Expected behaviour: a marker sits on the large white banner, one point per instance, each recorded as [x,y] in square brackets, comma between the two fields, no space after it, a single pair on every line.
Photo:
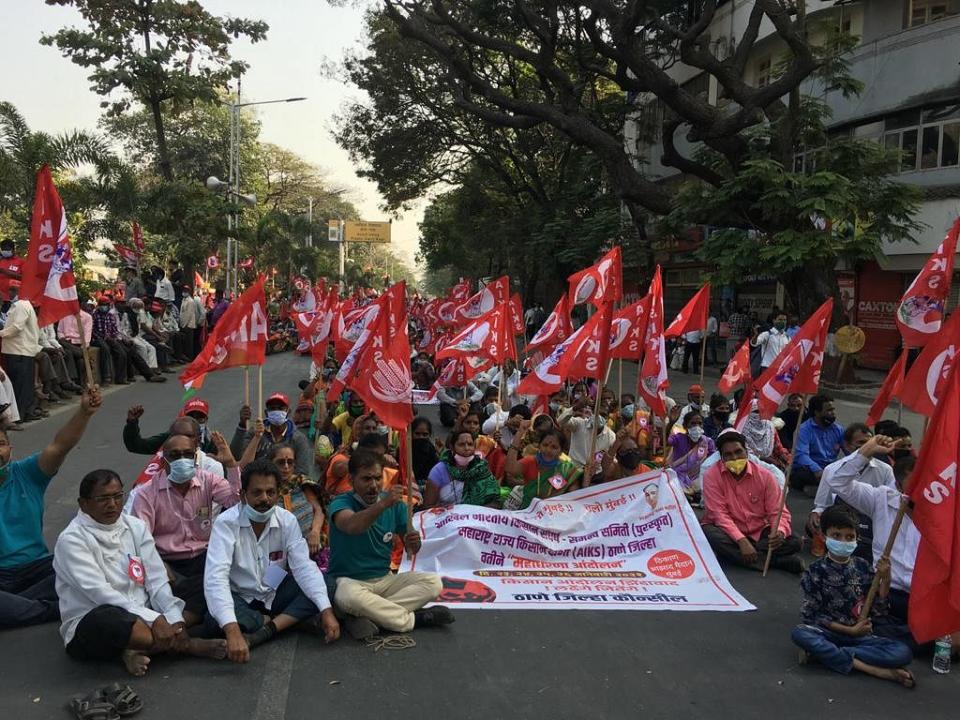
[633,544]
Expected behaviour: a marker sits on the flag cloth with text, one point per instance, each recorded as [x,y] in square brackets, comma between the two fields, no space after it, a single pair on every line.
[935,587]
[48,280]
[928,373]
[238,338]
[737,371]
[599,283]
[920,312]
[652,383]
[797,368]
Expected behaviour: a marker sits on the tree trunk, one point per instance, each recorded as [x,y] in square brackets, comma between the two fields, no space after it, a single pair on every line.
[163,153]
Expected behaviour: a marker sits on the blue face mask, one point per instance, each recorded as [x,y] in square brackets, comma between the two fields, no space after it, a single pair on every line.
[256,516]
[276,417]
[182,470]
[627,412]
[840,548]
[543,462]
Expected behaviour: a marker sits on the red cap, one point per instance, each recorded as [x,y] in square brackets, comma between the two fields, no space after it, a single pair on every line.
[278,396]
[196,405]
[695,389]
[14,283]
[156,305]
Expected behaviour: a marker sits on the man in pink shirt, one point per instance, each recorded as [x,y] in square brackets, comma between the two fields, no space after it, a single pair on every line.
[742,500]
[178,506]
[69,336]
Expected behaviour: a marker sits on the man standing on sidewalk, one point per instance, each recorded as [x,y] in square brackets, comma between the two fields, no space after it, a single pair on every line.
[21,344]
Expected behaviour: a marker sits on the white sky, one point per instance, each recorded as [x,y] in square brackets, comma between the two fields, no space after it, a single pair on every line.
[53,94]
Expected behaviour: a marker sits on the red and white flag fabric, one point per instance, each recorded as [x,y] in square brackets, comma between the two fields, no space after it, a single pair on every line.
[137,234]
[350,324]
[246,263]
[920,312]
[313,328]
[490,336]
[129,256]
[577,356]
[653,380]
[694,315]
[629,329]
[151,469]
[47,279]
[239,337]
[516,314]
[797,368]
[378,367]
[492,294]
[460,292]
[213,262]
[555,329]
[889,390]
[599,283]
[935,587]
[738,370]
[923,385]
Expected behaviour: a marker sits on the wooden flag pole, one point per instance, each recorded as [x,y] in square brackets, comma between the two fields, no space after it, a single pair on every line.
[887,549]
[783,496]
[260,390]
[703,354]
[246,385]
[500,384]
[593,438]
[408,452]
[85,349]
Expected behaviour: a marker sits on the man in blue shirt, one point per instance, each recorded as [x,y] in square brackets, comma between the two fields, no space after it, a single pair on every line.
[363,525]
[27,591]
[818,443]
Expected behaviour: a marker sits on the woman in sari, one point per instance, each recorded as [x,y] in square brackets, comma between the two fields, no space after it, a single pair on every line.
[461,477]
[763,440]
[687,452]
[300,494]
[545,474]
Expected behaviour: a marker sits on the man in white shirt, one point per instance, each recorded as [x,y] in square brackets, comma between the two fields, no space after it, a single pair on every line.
[164,289]
[509,423]
[21,343]
[692,344]
[772,341]
[190,318]
[64,379]
[115,600]
[713,328]
[582,427]
[259,579]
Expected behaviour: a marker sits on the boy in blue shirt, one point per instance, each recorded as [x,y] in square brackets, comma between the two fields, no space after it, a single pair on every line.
[834,589]
[363,524]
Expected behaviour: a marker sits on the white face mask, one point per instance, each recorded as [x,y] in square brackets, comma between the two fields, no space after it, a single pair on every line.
[695,433]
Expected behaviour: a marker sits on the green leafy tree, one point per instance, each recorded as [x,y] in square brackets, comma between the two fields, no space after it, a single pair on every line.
[163,54]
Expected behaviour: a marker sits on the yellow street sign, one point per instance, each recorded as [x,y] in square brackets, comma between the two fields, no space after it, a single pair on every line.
[363,231]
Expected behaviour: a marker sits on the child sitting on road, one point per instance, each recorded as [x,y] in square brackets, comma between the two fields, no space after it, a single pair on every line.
[834,590]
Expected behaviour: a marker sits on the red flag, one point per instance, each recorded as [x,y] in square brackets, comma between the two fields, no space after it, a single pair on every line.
[738,370]
[693,316]
[489,336]
[378,367]
[935,587]
[797,367]
[548,376]
[516,314]
[460,292]
[653,381]
[923,385]
[129,256]
[599,283]
[890,389]
[137,237]
[920,313]
[350,324]
[239,337]
[628,330]
[48,280]
[151,469]
[198,281]
[588,358]
[247,262]
[494,293]
[557,327]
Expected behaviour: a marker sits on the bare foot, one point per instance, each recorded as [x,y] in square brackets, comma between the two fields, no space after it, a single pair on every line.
[135,662]
[213,649]
[901,676]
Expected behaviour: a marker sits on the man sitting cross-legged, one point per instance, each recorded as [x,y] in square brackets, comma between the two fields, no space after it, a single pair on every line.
[115,599]
[259,579]
[363,524]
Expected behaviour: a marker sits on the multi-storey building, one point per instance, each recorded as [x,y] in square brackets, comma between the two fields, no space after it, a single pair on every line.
[908,59]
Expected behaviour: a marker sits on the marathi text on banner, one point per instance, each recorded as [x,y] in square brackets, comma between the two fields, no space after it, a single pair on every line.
[633,544]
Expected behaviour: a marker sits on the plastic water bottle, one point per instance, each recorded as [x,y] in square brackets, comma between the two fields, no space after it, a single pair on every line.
[941,655]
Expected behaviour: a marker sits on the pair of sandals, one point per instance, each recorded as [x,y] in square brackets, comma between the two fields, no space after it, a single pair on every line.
[107,703]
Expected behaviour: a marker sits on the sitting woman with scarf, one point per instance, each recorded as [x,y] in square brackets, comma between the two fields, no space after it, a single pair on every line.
[488,447]
[687,452]
[763,440]
[461,477]
[545,474]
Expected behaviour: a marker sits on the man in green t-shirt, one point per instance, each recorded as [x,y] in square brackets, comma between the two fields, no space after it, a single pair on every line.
[363,524]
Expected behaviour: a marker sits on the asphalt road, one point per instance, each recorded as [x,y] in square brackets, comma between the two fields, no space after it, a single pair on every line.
[506,664]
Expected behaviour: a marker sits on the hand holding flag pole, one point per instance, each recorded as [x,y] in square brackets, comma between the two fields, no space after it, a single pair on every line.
[783,497]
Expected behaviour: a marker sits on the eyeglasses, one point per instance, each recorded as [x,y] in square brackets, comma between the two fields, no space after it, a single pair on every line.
[108,499]
[285,461]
